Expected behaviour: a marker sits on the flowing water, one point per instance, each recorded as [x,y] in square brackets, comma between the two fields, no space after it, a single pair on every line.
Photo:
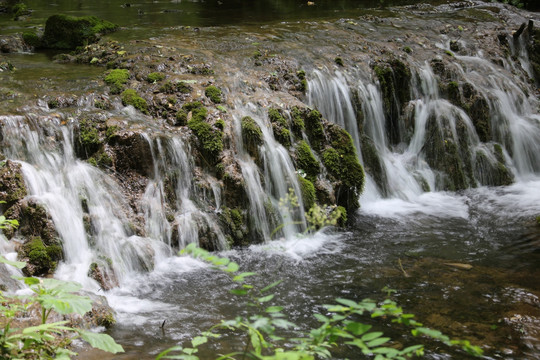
[407,232]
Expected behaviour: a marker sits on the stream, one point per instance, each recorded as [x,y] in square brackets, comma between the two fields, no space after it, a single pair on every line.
[466,262]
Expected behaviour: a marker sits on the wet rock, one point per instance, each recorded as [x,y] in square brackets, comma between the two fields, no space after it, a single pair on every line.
[251,137]
[13,44]
[12,187]
[534,53]
[132,153]
[372,163]
[103,274]
[68,32]
[394,79]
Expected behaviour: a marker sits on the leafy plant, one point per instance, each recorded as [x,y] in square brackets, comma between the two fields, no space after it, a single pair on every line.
[46,340]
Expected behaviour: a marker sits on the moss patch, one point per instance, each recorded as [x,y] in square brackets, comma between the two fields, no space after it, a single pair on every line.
[308,192]
[307,161]
[210,138]
[116,79]
[42,259]
[213,93]
[130,97]
[251,136]
[155,77]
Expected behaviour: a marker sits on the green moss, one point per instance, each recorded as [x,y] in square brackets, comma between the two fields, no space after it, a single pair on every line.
[30,38]
[298,124]
[235,226]
[101,159]
[332,162]
[183,87]
[275,116]
[181,117]
[339,61]
[372,162]
[19,9]
[342,221]
[453,92]
[251,136]
[211,139]
[407,49]
[282,135]
[116,79]
[308,192]
[302,83]
[53,104]
[220,124]
[167,87]
[213,93]
[155,77]
[69,32]
[40,257]
[192,105]
[314,129]
[130,97]
[307,161]
[88,138]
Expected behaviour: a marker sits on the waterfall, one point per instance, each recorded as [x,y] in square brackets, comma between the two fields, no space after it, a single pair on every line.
[278,173]
[417,164]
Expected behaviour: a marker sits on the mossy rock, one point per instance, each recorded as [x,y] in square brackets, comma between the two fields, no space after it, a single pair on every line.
[280,127]
[181,117]
[394,79]
[534,54]
[210,138]
[252,136]
[491,172]
[42,260]
[68,32]
[31,39]
[373,163]
[155,77]
[307,161]
[88,140]
[130,97]
[478,110]
[297,124]
[308,192]
[116,79]
[235,225]
[12,186]
[213,93]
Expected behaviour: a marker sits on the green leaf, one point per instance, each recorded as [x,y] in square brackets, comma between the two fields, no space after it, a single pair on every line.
[357,328]
[101,341]
[232,267]
[282,323]
[378,342]
[199,340]
[17,264]
[238,291]
[389,352]
[321,318]
[273,309]
[66,303]
[347,302]
[30,280]
[266,288]
[54,327]
[164,353]
[412,349]
[242,276]
[371,336]
[265,298]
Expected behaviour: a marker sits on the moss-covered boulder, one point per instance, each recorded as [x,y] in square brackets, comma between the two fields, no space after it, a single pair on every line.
[306,161]
[490,169]
[68,32]
[394,79]
[235,226]
[280,127]
[252,136]
[342,163]
[308,192]
[41,259]
[210,138]
[87,138]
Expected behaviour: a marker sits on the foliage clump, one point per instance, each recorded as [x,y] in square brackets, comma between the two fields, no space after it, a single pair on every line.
[116,79]
[213,93]
[130,97]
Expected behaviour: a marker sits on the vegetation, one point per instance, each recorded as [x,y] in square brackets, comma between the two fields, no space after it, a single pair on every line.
[308,192]
[46,340]
[251,135]
[155,77]
[116,79]
[210,138]
[307,161]
[130,97]
[213,93]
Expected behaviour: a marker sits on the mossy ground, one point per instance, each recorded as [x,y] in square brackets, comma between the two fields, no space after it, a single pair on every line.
[130,97]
